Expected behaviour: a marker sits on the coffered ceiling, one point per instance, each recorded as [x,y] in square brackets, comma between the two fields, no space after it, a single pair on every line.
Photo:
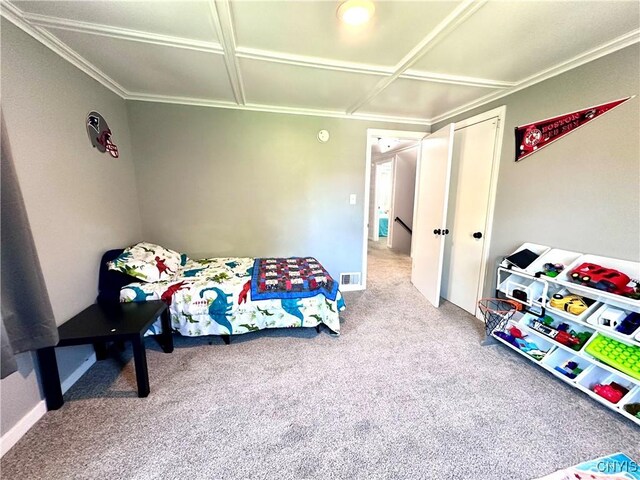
[415,62]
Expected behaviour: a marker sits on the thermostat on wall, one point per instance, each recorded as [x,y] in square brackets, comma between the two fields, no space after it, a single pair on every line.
[323,136]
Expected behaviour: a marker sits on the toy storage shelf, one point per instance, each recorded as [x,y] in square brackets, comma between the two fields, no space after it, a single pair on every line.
[534,290]
[540,290]
[521,323]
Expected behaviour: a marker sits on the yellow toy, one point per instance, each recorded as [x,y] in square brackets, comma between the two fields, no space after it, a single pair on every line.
[573,304]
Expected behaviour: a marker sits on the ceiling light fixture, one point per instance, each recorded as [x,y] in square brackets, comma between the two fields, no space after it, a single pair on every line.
[356,12]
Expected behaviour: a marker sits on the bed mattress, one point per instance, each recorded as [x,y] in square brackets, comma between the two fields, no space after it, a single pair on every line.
[209,297]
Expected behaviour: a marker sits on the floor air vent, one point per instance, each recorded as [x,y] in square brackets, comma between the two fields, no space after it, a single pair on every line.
[350,281]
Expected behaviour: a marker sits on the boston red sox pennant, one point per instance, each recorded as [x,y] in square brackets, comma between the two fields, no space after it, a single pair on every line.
[532,137]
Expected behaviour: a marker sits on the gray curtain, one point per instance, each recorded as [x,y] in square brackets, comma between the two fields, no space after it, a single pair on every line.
[26,313]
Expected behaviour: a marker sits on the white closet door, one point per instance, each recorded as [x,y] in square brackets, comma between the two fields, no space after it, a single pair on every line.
[433,177]
[468,206]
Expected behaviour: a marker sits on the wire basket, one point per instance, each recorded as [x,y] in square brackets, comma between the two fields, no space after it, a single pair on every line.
[496,312]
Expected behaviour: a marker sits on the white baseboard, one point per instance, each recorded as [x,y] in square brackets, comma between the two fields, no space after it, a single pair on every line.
[16,432]
[351,288]
[68,382]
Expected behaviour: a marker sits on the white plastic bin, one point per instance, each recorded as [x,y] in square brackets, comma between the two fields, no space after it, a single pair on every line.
[606,318]
[543,345]
[599,376]
[631,269]
[534,289]
[560,358]
[535,248]
[632,398]
[559,290]
[555,255]
[578,328]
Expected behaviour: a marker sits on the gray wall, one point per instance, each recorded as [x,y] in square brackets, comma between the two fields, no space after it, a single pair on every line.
[79,202]
[230,182]
[404,195]
[581,193]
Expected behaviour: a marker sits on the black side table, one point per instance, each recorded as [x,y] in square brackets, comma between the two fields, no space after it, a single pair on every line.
[99,324]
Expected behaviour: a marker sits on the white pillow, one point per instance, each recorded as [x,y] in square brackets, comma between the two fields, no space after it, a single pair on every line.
[147,262]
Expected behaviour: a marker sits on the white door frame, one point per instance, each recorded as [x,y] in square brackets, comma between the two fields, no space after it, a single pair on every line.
[392,201]
[372,137]
[500,114]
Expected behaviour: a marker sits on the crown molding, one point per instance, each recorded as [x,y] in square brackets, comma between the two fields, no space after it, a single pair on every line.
[121,33]
[312,62]
[454,79]
[338,114]
[607,48]
[143,97]
[15,16]
[363,68]
[177,100]
[223,23]
[458,16]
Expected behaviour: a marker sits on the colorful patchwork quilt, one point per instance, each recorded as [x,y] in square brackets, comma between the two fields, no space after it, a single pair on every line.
[280,278]
[211,297]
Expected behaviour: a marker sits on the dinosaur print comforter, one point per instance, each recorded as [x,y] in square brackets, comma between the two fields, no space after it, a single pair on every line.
[211,297]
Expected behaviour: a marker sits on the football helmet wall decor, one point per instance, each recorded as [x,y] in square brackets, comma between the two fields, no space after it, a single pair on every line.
[100,134]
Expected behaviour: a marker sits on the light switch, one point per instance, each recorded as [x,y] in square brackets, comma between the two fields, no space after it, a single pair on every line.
[352,199]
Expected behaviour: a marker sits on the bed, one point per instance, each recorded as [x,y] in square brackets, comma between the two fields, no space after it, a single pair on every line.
[219,296]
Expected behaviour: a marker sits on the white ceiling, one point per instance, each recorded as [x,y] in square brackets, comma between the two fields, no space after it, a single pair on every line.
[377,154]
[416,62]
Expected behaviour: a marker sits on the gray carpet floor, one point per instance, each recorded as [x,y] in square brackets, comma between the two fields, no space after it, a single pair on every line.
[406,391]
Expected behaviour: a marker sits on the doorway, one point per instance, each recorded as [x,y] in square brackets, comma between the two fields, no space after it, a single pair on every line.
[456,196]
[450,244]
[389,193]
[383,191]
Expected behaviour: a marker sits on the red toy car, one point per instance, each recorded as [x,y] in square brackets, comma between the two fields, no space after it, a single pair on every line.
[602,278]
